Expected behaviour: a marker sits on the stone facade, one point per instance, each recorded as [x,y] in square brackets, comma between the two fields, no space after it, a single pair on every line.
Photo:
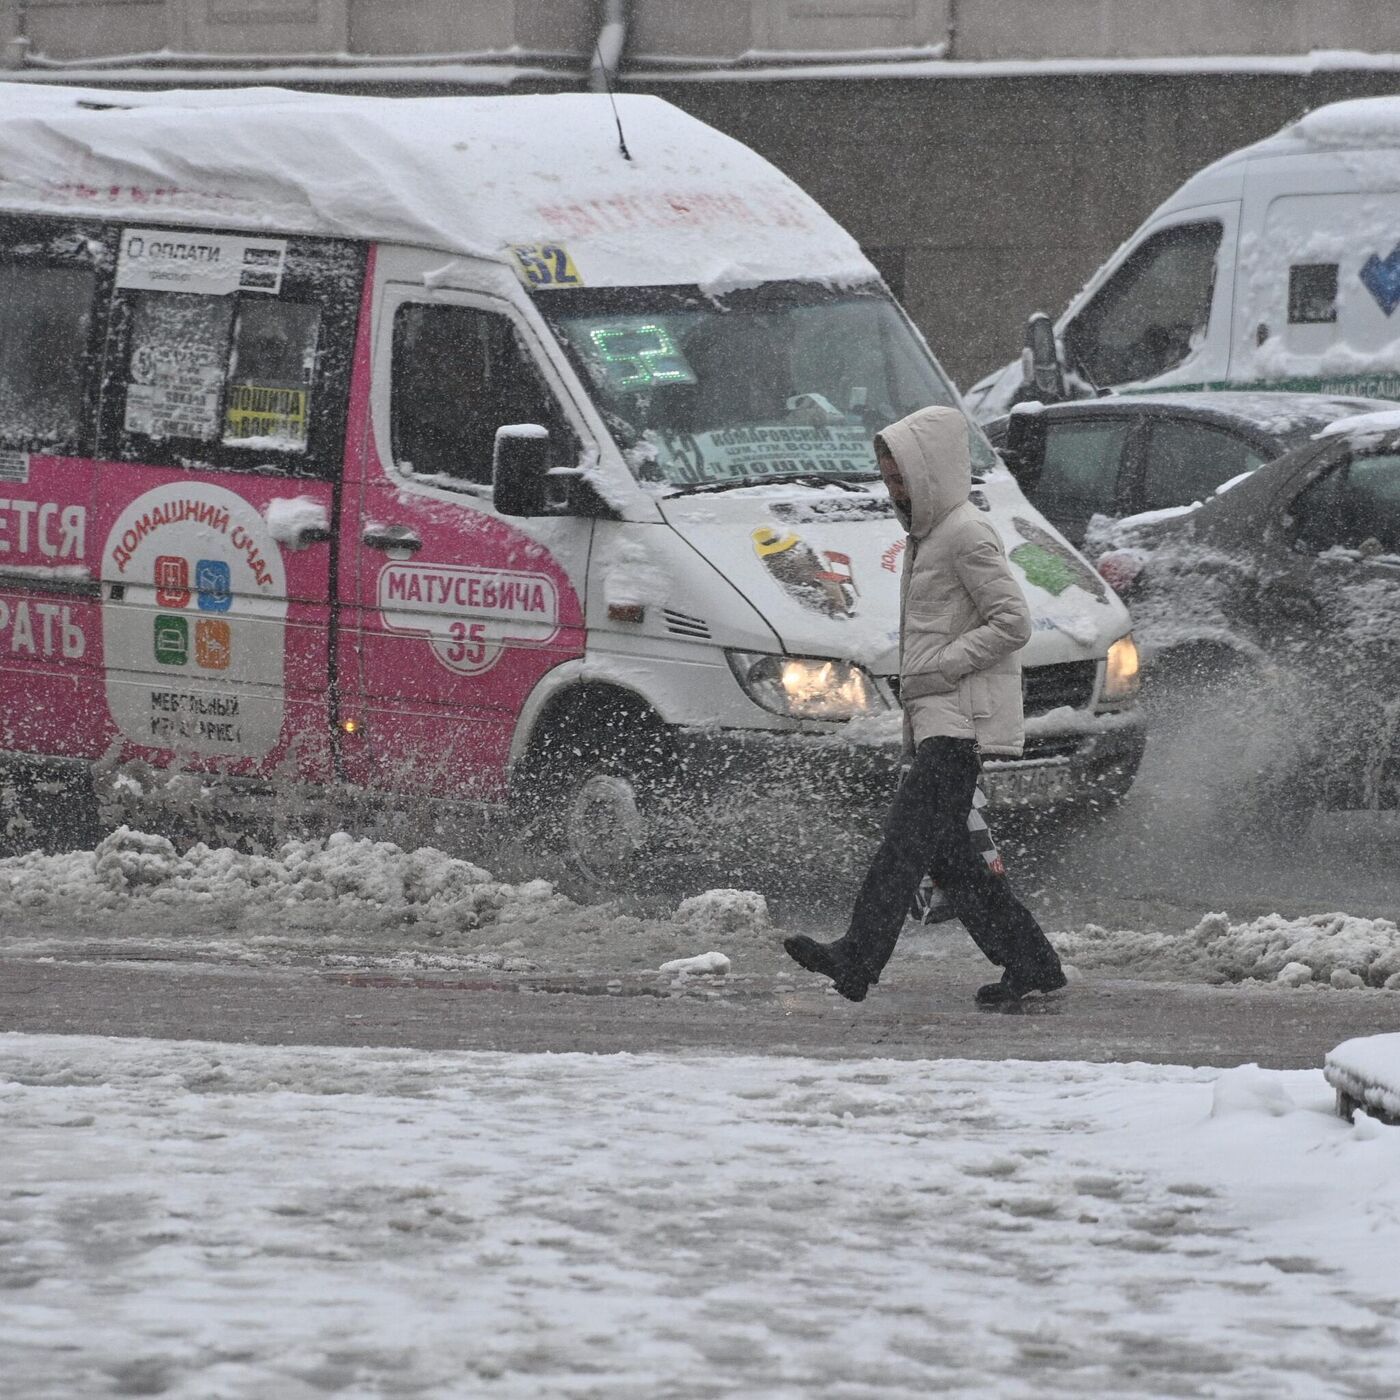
[712,30]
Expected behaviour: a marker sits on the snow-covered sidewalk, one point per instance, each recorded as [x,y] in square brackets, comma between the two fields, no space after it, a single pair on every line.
[201,1221]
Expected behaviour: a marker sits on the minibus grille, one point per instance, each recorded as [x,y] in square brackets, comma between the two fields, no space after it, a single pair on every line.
[683,625]
[1046,688]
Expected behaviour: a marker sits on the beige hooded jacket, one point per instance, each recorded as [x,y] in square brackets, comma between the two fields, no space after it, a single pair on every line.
[963,618]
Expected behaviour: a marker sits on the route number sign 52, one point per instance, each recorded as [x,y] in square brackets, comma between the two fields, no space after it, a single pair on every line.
[545,265]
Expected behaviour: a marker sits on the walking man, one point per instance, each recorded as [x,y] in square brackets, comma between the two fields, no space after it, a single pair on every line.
[963,621]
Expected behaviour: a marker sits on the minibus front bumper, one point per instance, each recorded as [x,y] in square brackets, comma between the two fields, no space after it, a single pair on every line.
[1090,761]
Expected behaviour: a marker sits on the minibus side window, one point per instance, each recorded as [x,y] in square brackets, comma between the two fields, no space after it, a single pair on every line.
[1150,314]
[46,316]
[247,380]
[221,369]
[459,373]
[271,374]
[175,372]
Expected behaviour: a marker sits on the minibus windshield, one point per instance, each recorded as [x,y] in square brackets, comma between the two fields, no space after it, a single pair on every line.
[788,381]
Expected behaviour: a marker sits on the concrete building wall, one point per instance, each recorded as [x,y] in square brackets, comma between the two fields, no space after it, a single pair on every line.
[430,26]
[78,28]
[549,27]
[995,29]
[714,29]
[258,26]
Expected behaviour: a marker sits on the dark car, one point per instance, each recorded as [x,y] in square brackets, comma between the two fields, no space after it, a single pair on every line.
[1288,585]
[1131,453]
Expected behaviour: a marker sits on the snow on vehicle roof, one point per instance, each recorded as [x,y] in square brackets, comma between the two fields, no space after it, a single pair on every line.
[471,176]
[1359,123]
[1273,411]
[1363,121]
[1387,421]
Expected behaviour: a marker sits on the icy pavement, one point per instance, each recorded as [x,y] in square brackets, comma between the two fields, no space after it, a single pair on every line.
[200,1221]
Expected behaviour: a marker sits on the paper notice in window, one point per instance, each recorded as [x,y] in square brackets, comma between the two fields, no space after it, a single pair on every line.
[174,392]
[216,264]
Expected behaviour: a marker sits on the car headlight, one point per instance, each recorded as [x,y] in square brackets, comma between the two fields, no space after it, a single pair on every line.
[1122,676]
[806,687]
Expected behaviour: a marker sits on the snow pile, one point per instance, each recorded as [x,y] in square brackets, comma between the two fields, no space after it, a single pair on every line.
[634,578]
[724,911]
[339,874]
[348,900]
[1384,421]
[1341,950]
[705,964]
[1249,1089]
[1367,1071]
[199,1220]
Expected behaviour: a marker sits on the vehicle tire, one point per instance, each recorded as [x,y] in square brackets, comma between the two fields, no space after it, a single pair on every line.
[594,798]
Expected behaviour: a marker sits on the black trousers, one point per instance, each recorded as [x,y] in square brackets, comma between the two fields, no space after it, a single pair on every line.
[926,831]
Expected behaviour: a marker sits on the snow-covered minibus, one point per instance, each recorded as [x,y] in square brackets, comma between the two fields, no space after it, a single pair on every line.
[1276,267]
[444,449]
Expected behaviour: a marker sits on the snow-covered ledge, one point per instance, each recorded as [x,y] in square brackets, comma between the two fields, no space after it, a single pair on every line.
[1365,1072]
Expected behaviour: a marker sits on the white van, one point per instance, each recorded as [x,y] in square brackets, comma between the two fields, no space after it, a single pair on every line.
[1277,267]
[444,449]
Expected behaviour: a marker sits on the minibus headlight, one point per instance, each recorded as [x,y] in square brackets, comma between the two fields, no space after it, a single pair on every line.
[806,687]
[1122,674]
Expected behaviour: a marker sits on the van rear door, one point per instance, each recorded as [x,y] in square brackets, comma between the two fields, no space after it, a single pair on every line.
[228,365]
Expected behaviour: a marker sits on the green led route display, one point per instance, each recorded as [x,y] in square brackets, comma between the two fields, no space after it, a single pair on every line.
[634,353]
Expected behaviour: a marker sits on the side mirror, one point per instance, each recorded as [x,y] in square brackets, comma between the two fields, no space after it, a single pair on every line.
[1025,444]
[1042,368]
[520,470]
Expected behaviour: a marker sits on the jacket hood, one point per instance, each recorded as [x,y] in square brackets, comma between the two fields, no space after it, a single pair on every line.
[935,460]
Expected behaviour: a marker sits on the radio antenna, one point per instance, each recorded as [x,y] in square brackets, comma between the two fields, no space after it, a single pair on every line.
[608,88]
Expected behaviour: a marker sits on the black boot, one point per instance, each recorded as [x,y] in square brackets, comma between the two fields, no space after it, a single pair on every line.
[847,972]
[1017,983]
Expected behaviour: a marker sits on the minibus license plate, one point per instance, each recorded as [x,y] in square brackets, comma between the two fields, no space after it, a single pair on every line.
[1034,785]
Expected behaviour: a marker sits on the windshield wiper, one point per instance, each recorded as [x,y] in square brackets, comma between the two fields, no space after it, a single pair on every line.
[851,483]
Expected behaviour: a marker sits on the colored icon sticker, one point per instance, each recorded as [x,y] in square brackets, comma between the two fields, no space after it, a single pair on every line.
[1381,277]
[172,640]
[213,580]
[172,581]
[213,643]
